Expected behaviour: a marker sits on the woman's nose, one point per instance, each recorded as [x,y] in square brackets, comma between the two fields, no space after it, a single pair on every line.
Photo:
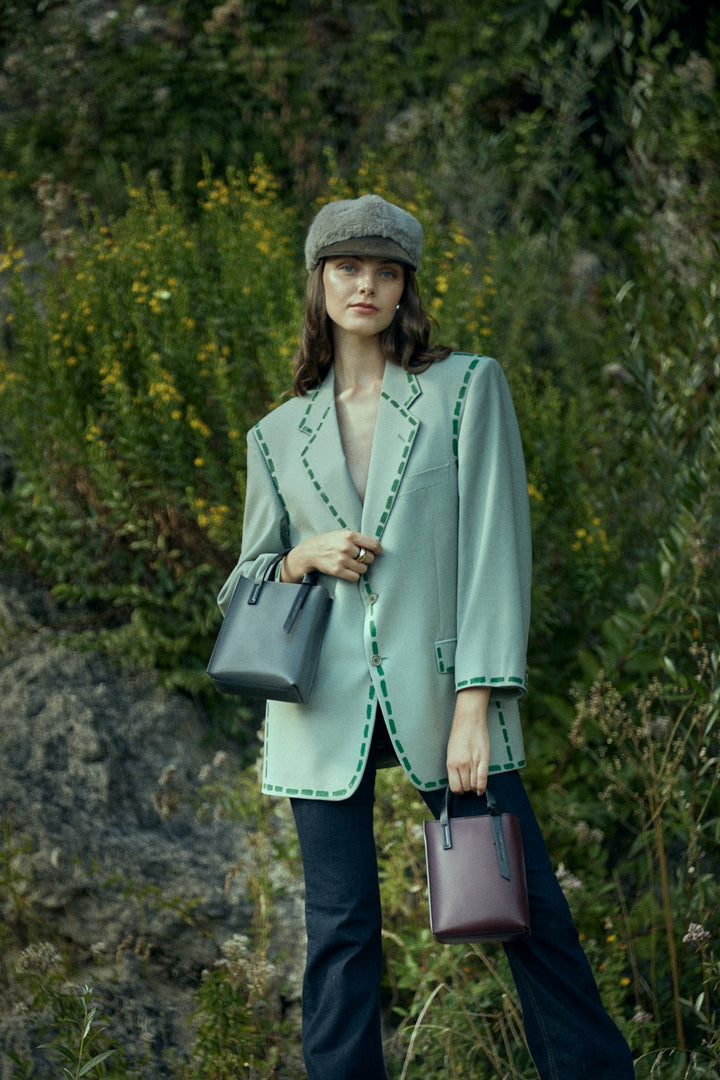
[366,284]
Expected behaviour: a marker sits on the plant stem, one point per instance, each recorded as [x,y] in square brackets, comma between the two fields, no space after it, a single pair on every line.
[669,929]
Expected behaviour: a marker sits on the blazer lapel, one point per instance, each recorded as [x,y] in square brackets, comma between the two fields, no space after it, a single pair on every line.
[395,433]
[323,457]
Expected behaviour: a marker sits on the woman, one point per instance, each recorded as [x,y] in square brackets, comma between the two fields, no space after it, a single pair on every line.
[396,473]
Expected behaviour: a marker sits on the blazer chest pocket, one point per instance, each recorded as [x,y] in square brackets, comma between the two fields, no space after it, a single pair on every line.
[418,481]
[445,655]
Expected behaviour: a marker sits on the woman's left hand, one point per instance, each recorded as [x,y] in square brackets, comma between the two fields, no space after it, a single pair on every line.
[468,752]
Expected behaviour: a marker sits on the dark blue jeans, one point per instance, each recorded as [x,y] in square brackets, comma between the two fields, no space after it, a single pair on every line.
[570,1035]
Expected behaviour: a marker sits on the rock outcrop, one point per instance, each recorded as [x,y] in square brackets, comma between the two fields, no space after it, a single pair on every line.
[116,848]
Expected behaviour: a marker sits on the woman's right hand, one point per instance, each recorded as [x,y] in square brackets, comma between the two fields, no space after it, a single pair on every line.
[335,553]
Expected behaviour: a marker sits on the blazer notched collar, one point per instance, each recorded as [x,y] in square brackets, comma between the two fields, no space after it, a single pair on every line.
[323,457]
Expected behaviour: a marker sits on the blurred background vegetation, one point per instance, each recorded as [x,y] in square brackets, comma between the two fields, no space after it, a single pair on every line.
[159,164]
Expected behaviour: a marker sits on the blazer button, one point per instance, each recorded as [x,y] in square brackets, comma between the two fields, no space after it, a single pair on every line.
[376,660]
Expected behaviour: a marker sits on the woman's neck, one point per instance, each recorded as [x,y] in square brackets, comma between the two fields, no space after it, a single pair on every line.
[358,363]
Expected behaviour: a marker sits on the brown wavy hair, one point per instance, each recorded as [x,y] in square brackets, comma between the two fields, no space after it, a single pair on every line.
[406,341]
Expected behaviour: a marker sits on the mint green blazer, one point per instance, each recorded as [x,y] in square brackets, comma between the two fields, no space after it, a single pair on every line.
[447,603]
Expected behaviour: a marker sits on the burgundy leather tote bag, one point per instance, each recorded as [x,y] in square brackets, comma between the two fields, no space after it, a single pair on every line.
[476,876]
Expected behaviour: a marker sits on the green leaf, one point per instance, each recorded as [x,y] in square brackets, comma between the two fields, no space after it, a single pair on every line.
[68,1054]
[90,1065]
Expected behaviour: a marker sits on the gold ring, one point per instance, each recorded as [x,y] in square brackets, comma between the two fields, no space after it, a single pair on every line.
[360,557]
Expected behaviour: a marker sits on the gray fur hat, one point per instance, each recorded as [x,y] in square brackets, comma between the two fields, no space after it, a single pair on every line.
[365,226]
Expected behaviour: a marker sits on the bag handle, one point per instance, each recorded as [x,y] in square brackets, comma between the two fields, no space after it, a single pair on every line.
[307,581]
[498,835]
[301,596]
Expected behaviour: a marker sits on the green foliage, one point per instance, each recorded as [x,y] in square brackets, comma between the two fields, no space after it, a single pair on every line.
[657,762]
[86,1033]
[157,344]
[65,1015]
[563,159]
[239,1017]
[241,1014]
[528,113]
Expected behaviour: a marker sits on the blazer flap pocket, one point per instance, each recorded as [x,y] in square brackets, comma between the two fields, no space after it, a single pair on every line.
[445,655]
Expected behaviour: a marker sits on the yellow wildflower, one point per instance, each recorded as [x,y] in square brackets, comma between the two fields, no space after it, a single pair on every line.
[197,425]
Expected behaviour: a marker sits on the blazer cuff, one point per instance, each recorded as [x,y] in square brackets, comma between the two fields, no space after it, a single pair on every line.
[507,685]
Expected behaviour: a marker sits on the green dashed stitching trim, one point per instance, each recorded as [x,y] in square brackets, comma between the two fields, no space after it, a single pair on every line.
[414,386]
[364,747]
[369,710]
[470,682]
[310,793]
[325,498]
[504,730]
[270,464]
[310,404]
[457,411]
[496,680]
[443,668]
[510,764]
[403,461]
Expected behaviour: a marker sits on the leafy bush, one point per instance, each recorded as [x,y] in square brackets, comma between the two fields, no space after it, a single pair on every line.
[151,348]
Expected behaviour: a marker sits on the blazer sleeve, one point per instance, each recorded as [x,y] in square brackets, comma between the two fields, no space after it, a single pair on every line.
[494,544]
[265,522]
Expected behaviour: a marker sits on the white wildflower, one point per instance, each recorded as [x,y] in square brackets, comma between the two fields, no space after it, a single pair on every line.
[568,881]
[696,935]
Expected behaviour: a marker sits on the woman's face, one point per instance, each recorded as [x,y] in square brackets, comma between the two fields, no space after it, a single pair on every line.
[362,294]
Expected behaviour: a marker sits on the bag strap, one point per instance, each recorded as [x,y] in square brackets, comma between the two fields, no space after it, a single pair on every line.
[307,581]
[498,835]
[301,596]
[270,569]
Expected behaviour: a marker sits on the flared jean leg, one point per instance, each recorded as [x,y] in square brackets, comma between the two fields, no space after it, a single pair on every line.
[342,1037]
[570,1035]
